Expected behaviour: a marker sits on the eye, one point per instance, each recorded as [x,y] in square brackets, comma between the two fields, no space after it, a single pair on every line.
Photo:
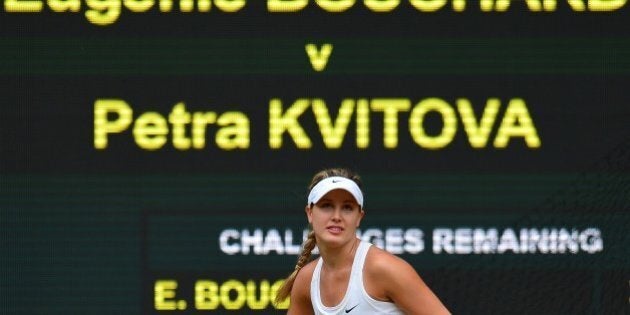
[347,207]
[326,205]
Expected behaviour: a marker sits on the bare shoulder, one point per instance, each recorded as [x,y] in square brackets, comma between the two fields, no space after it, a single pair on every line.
[388,277]
[382,263]
[305,275]
[301,291]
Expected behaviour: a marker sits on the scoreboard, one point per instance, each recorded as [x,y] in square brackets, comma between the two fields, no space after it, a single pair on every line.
[155,155]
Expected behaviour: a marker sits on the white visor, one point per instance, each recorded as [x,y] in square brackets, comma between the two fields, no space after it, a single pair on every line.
[332,183]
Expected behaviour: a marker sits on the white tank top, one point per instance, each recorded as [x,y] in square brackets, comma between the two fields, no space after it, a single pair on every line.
[356,301]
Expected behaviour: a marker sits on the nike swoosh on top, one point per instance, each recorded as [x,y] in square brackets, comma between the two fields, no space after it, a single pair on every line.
[350,309]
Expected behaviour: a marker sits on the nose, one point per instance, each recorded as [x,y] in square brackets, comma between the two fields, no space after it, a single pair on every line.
[336,215]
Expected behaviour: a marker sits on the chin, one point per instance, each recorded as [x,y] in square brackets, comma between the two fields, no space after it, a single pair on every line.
[333,240]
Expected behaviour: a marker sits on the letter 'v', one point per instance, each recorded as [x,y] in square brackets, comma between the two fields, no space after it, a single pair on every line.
[319,57]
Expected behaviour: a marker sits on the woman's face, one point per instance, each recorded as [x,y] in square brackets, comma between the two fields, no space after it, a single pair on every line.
[335,218]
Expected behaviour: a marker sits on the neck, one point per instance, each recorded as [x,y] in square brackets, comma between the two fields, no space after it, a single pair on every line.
[339,257]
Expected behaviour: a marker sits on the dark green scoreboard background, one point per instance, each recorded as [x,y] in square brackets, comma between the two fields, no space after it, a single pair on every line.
[512,229]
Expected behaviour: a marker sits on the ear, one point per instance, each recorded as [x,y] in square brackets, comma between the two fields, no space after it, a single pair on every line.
[361,215]
[309,214]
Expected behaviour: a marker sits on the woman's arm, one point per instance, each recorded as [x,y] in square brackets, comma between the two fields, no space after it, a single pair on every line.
[392,278]
[301,292]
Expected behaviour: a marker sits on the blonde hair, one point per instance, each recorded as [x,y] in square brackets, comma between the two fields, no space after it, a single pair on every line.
[307,247]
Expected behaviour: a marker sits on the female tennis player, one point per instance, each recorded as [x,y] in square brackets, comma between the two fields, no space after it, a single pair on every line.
[351,276]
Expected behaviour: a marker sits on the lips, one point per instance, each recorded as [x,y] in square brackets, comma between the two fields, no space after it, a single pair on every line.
[334,229]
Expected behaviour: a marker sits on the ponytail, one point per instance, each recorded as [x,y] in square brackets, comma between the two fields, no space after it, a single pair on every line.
[285,290]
